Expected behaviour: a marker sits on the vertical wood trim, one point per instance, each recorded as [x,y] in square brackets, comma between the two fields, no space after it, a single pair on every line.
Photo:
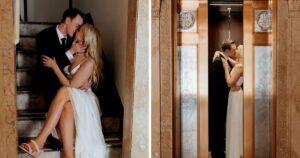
[202,79]
[8,109]
[166,41]
[177,109]
[155,82]
[129,80]
[274,73]
[248,80]
[282,100]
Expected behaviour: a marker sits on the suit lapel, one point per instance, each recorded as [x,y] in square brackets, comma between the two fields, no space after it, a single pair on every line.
[55,39]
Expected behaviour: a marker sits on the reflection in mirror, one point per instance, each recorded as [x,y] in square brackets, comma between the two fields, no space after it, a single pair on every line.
[225,79]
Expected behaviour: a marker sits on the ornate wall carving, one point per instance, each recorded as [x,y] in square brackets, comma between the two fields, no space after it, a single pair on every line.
[294,5]
[263,20]
[187,21]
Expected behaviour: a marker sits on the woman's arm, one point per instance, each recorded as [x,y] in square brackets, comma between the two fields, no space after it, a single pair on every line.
[82,76]
[232,62]
[217,54]
[235,75]
[79,80]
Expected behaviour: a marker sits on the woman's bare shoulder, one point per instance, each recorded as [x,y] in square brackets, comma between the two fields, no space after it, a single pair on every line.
[89,62]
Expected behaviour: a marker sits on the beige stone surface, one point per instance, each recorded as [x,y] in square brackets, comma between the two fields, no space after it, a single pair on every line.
[8,130]
[155,81]
[140,120]
[288,84]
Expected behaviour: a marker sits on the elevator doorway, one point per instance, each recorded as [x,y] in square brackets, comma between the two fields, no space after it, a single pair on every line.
[201,28]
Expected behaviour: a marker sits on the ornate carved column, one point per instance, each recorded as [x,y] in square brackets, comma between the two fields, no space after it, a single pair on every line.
[8,130]
[162,78]
[166,36]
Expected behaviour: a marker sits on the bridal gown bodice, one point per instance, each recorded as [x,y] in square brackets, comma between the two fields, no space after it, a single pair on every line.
[239,81]
[234,122]
[89,139]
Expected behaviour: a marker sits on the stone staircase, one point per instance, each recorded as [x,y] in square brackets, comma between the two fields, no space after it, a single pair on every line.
[30,104]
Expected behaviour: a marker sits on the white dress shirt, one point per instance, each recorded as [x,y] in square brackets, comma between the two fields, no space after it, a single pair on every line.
[60,36]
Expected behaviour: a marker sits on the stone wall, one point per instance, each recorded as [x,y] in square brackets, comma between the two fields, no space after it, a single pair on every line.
[8,130]
[288,83]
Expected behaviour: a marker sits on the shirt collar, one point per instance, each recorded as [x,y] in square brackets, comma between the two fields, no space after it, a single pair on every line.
[60,35]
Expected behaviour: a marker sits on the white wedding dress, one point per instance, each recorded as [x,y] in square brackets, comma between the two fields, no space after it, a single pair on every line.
[89,139]
[234,123]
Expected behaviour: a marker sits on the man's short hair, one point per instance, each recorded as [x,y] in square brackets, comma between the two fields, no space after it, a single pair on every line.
[227,45]
[72,13]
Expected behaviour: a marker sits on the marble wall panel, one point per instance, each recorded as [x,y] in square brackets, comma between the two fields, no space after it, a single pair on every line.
[188,100]
[263,100]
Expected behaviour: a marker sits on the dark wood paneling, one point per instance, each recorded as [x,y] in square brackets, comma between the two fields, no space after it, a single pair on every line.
[129,80]
[218,29]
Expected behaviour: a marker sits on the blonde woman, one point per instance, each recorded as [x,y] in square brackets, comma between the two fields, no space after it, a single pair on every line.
[234,119]
[77,101]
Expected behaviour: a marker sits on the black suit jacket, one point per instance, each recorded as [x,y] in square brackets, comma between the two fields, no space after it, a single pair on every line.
[218,100]
[218,88]
[48,43]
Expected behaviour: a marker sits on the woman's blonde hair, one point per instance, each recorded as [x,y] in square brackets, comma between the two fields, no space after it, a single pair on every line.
[92,40]
[241,52]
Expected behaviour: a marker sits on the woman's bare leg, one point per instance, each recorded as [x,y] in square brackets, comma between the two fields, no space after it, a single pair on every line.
[53,116]
[66,128]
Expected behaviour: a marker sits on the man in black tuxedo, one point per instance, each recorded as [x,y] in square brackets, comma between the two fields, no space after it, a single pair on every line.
[56,42]
[218,99]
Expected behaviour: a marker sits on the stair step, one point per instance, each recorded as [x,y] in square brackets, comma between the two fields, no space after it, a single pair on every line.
[29,128]
[30,122]
[24,77]
[46,154]
[26,59]
[32,29]
[110,124]
[113,152]
[27,44]
[31,114]
[25,90]
[29,100]
[110,141]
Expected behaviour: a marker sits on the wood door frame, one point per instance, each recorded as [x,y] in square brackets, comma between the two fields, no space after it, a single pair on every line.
[8,108]
[249,147]
[129,79]
[248,80]
[201,8]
